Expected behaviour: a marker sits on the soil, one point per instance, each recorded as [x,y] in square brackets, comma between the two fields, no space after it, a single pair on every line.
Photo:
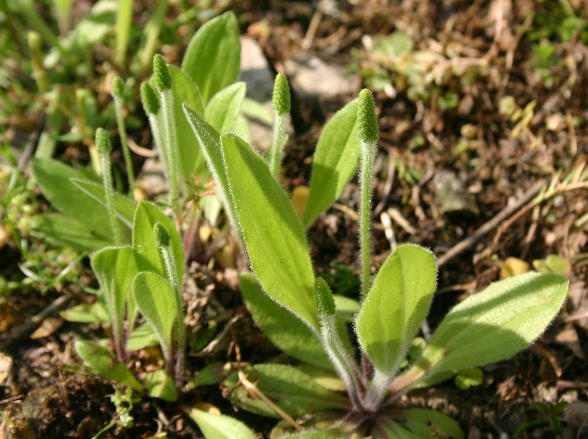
[489,159]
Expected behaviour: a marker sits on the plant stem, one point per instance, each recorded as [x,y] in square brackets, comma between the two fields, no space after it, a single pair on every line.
[104,148]
[281,106]
[118,109]
[279,139]
[365,184]
[367,123]
[345,366]
[167,100]
[180,333]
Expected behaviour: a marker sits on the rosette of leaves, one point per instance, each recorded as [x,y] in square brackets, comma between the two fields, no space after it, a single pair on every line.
[349,388]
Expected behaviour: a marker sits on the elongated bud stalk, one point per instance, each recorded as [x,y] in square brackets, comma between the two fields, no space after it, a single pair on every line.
[104,148]
[118,89]
[163,83]
[346,367]
[162,239]
[281,106]
[367,124]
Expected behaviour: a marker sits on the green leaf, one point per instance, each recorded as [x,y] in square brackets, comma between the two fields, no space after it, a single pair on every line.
[273,234]
[347,308]
[87,313]
[282,327]
[290,389]
[224,107]
[101,360]
[496,323]
[156,301]
[142,337]
[189,156]
[115,268]
[220,426]
[146,215]
[430,423]
[332,434]
[396,305]
[210,145]
[160,385]
[68,231]
[213,56]
[125,208]
[468,378]
[335,162]
[54,179]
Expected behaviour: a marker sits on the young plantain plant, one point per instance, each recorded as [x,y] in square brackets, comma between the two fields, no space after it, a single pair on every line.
[138,253]
[300,314]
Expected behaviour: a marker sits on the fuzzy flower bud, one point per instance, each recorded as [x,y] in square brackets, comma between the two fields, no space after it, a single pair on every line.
[103,144]
[325,303]
[366,117]
[281,95]
[118,87]
[149,99]
[161,76]
[161,235]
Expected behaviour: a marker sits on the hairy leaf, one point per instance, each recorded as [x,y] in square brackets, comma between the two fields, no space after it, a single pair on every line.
[156,301]
[335,162]
[115,268]
[224,107]
[396,305]
[290,389]
[146,215]
[496,323]
[101,360]
[220,426]
[282,327]
[213,56]
[272,232]
[189,156]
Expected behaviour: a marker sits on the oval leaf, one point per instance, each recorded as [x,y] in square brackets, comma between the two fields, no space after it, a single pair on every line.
[220,426]
[396,305]
[115,268]
[224,107]
[213,56]
[496,323]
[101,360]
[209,140]
[282,327]
[290,389]
[146,215]
[189,156]
[156,301]
[272,232]
[335,161]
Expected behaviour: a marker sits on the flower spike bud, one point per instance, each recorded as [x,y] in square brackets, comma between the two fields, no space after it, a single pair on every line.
[281,95]
[366,117]
[324,298]
[149,99]
[161,75]
[118,87]
[161,235]
[103,142]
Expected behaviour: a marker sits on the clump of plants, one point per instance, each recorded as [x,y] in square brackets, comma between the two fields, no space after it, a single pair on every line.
[299,313]
[346,386]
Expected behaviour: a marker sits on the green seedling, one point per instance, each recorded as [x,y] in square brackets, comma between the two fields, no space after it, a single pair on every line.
[301,316]
[144,277]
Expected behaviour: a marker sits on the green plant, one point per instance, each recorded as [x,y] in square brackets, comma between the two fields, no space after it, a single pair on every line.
[551,416]
[299,313]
